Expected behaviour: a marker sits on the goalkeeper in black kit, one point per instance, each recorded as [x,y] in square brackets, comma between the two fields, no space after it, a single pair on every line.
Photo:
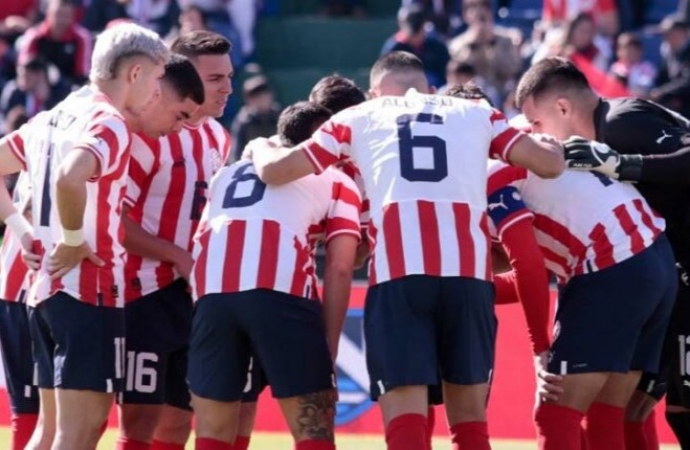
[644,143]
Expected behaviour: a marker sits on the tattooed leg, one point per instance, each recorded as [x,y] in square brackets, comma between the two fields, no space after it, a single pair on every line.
[311,416]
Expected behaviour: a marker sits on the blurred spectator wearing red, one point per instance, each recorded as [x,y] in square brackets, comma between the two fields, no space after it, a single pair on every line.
[580,40]
[412,37]
[16,16]
[60,40]
[605,12]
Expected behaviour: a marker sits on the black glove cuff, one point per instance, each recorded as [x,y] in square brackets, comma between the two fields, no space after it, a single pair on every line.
[630,168]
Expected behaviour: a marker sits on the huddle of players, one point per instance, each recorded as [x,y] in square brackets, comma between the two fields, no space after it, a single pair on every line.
[419,165]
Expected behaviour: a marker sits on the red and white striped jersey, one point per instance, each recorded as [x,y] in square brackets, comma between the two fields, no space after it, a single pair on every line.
[423,162]
[85,120]
[13,271]
[583,221]
[255,236]
[167,188]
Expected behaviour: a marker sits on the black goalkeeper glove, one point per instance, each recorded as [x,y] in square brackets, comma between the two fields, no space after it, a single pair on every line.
[583,154]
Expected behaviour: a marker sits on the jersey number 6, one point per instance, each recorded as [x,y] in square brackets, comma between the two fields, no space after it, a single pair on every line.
[408,143]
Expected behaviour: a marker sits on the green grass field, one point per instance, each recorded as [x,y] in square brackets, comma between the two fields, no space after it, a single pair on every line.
[281,441]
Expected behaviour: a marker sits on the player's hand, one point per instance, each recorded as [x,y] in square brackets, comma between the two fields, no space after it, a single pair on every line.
[548,384]
[184,263]
[363,252]
[583,154]
[63,258]
[31,253]
[257,144]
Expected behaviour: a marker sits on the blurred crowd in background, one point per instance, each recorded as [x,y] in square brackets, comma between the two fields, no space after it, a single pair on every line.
[626,47]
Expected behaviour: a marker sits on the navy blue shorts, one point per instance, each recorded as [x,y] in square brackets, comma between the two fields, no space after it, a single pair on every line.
[615,320]
[285,332]
[421,329]
[157,328]
[256,381]
[15,341]
[77,345]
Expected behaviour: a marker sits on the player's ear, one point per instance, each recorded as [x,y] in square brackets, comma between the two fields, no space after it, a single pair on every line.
[563,106]
[134,72]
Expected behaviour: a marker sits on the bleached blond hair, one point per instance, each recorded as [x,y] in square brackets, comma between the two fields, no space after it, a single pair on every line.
[121,42]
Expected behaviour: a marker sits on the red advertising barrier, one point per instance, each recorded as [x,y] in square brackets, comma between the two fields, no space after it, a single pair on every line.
[512,394]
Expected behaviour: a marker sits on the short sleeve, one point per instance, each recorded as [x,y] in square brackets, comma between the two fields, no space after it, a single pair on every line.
[349,169]
[108,140]
[330,143]
[506,208]
[16,141]
[503,136]
[344,209]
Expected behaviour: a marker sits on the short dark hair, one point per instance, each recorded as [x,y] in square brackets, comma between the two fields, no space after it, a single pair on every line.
[554,74]
[412,17]
[398,61]
[461,68]
[298,122]
[468,91]
[181,75]
[199,43]
[336,93]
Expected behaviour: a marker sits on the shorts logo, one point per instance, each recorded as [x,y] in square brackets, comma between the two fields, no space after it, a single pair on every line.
[351,371]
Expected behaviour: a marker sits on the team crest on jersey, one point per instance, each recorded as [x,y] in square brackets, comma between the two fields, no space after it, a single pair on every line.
[351,371]
[216,160]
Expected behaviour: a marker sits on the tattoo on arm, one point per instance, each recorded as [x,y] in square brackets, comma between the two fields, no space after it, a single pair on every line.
[317,415]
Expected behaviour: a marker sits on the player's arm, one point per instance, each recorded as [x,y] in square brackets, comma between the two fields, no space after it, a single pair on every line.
[328,145]
[337,281]
[637,146]
[530,279]
[12,161]
[543,155]
[140,242]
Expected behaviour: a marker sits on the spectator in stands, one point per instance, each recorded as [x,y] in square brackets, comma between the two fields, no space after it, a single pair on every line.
[31,90]
[16,16]
[60,40]
[673,82]
[157,15]
[412,37]
[490,49]
[243,15]
[99,13]
[675,50]
[558,12]
[630,67]
[257,118]
[460,73]
[580,42]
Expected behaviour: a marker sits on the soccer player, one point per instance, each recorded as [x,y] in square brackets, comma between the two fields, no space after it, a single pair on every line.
[254,282]
[157,307]
[169,177]
[14,330]
[429,308]
[77,156]
[650,148]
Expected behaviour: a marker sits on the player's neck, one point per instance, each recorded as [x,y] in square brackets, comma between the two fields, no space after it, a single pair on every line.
[196,120]
[113,90]
[586,126]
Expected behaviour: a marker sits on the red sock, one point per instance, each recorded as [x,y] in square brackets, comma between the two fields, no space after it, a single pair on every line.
[22,428]
[583,439]
[430,424]
[635,436]
[558,427]
[124,443]
[604,427]
[470,436]
[314,445]
[241,443]
[650,432]
[211,444]
[160,445]
[407,432]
